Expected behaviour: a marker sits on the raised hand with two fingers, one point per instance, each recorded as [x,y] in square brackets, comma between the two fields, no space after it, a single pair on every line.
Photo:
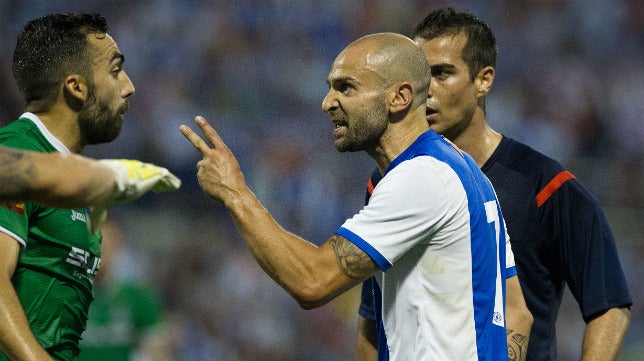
[218,172]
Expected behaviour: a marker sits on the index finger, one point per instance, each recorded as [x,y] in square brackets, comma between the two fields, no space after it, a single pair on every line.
[194,138]
[210,132]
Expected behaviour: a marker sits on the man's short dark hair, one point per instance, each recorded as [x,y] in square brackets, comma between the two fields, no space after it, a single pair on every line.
[479,51]
[51,47]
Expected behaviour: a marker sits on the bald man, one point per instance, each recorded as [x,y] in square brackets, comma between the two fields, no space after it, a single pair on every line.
[430,234]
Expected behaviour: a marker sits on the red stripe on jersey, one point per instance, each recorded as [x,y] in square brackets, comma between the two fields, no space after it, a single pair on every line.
[370,187]
[552,186]
[17,207]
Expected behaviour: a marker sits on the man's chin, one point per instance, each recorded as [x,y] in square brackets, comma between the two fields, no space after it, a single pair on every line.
[344,148]
[340,148]
[105,135]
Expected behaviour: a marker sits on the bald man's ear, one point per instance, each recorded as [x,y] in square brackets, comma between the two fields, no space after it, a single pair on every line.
[484,80]
[402,95]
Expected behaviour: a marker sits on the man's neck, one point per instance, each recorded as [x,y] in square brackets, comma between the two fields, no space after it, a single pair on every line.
[63,127]
[398,137]
[479,140]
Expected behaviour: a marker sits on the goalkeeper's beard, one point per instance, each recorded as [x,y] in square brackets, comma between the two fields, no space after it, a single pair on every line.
[98,122]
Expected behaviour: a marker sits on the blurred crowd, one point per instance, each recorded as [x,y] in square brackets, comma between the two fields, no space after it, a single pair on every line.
[570,83]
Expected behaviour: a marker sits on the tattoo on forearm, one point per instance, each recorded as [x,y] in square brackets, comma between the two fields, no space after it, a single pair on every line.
[353,262]
[17,172]
[517,345]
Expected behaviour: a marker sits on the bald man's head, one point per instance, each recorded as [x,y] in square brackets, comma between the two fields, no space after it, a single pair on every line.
[393,57]
[376,81]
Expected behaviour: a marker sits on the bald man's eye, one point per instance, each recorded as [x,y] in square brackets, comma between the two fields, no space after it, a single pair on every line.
[345,88]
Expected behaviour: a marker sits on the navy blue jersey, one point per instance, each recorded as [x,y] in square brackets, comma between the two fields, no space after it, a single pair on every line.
[558,232]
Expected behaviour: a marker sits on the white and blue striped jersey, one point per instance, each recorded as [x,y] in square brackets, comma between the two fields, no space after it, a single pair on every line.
[433,225]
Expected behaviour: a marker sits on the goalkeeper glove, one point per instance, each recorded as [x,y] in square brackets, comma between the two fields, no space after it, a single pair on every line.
[133,179]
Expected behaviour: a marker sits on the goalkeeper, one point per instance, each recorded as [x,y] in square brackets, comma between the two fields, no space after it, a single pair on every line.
[70,73]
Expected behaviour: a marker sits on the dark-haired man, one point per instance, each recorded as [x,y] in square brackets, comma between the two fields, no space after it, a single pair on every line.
[70,73]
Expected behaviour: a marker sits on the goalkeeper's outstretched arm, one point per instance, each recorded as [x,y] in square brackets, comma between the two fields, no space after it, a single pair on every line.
[70,181]
[54,179]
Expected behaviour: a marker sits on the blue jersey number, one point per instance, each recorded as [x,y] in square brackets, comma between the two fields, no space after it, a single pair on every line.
[492,212]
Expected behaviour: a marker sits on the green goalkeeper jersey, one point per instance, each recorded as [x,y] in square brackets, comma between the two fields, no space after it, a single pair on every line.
[59,256]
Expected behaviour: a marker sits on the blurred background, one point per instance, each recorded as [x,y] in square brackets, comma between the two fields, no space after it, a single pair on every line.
[570,83]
